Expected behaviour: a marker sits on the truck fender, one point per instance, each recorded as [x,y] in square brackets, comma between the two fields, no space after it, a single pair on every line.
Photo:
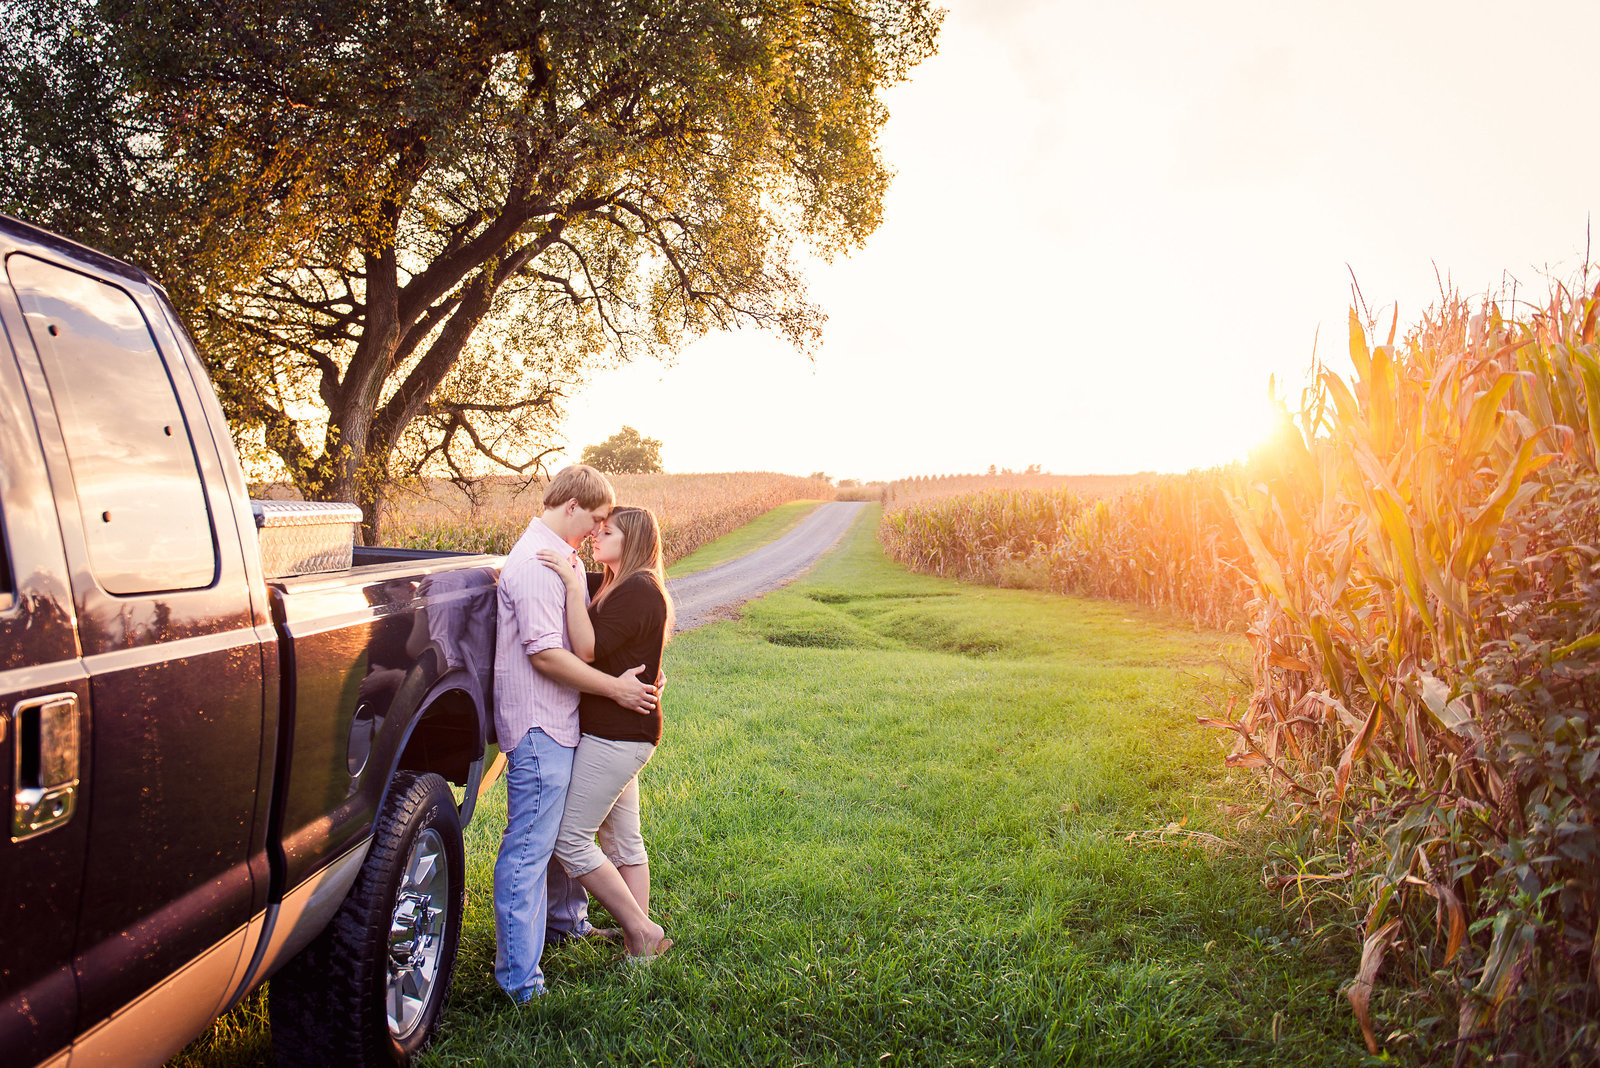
[448,734]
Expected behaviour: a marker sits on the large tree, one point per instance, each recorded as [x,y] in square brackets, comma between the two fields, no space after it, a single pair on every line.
[399,225]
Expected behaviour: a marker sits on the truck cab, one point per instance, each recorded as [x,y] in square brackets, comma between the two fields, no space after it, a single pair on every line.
[200,755]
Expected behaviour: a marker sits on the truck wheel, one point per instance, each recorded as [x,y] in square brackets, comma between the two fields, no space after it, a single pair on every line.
[369,990]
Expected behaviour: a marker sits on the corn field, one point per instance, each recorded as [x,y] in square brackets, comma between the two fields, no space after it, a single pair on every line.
[1169,543]
[905,491]
[491,515]
[1416,561]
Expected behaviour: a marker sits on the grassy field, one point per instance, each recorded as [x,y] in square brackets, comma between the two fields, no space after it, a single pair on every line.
[900,820]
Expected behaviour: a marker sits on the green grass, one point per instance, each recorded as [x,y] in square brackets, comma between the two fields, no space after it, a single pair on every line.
[765,528]
[899,820]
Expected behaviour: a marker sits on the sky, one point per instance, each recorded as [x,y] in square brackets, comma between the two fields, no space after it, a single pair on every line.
[1113,225]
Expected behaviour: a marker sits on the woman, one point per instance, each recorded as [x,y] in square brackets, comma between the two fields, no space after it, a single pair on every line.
[627,625]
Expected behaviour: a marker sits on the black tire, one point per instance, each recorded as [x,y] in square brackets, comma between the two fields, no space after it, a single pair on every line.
[369,991]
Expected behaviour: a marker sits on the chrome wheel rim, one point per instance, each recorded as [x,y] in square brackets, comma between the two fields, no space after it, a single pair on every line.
[416,933]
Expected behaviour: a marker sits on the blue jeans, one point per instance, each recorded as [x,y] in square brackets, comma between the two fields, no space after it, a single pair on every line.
[531,891]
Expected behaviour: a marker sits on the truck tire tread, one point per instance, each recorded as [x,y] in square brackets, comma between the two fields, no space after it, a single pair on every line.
[327,1004]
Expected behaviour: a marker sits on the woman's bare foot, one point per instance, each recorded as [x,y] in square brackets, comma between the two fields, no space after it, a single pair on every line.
[649,941]
[644,960]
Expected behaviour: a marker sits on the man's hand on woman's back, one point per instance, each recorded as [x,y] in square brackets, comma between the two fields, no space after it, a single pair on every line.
[640,697]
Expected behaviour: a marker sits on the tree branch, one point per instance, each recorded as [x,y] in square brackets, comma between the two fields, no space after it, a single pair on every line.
[453,419]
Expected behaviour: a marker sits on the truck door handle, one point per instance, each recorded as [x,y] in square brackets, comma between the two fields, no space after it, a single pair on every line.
[44,748]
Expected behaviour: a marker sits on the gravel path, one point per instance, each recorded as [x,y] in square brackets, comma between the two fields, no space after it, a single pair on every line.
[717,592]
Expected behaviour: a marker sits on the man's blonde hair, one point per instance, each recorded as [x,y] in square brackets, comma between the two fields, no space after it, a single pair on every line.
[592,490]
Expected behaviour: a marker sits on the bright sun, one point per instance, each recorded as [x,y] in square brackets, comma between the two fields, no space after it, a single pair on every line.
[1200,432]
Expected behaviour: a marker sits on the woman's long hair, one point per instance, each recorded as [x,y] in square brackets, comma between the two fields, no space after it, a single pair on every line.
[641,554]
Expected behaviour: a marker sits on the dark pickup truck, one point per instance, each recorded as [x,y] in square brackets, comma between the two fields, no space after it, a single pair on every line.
[221,770]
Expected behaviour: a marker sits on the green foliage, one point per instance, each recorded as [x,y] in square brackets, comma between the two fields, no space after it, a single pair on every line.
[1539,681]
[64,127]
[402,232]
[626,452]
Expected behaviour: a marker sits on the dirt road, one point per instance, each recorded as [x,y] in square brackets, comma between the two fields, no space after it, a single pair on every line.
[717,592]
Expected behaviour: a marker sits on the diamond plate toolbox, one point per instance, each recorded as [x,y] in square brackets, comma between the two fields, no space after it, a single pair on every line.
[302,537]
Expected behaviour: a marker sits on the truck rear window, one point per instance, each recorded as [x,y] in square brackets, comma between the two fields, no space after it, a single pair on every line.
[139,491]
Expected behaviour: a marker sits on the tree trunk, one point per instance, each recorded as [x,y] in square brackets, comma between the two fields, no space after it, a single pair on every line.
[354,483]
[374,502]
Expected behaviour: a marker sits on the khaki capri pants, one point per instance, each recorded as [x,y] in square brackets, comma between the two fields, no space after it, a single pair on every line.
[603,798]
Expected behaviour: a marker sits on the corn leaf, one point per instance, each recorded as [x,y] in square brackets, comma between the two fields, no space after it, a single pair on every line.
[1267,568]
[1360,355]
[1373,948]
[1583,645]
[1501,972]
[1481,531]
[1356,750]
[1381,401]
[1482,422]
[1455,918]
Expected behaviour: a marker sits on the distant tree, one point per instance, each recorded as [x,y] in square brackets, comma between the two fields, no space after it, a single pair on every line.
[820,476]
[625,453]
[399,230]
[1033,469]
[992,470]
[848,483]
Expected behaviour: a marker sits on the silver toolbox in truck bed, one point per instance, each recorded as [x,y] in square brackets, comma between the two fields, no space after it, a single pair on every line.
[303,537]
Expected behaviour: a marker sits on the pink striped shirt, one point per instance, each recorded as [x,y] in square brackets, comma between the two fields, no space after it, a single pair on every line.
[532,617]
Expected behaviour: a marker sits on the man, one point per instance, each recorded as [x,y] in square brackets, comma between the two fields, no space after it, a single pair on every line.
[537,680]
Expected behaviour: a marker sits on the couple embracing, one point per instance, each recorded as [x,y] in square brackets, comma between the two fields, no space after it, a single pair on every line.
[577,708]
